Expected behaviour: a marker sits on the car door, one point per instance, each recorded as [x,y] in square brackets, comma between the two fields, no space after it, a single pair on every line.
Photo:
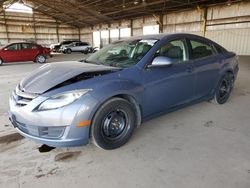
[84,46]
[206,62]
[28,51]
[11,53]
[34,50]
[76,47]
[169,86]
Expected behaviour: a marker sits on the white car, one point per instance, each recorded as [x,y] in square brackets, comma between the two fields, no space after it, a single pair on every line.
[76,47]
[56,47]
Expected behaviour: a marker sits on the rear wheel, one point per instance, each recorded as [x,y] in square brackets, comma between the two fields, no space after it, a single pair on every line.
[40,59]
[113,124]
[86,51]
[224,89]
[1,61]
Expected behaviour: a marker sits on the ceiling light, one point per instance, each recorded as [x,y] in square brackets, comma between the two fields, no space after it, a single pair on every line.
[18,7]
[229,2]
[123,4]
[136,2]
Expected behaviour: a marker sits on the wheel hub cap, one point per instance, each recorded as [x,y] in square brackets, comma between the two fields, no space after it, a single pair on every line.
[114,124]
[225,88]
[41,59]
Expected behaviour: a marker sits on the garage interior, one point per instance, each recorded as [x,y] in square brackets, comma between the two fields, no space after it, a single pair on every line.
[102,22]
[204,145]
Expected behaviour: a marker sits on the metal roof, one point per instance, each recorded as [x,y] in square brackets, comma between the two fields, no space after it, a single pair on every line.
[82,13]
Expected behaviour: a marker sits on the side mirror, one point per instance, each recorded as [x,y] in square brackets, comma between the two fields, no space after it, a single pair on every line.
[161,61]
[5,49]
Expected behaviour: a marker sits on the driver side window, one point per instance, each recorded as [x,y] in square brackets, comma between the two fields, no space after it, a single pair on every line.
[13,47]
[174,50]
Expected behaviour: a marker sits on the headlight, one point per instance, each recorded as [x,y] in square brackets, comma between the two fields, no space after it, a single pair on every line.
[62,99]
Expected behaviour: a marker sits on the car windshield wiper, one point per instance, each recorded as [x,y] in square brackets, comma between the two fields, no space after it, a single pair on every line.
[100,63]
[93,62]
[87,61]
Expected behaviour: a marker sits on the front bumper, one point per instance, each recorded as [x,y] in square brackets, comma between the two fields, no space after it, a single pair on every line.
[61,50]
[58,127]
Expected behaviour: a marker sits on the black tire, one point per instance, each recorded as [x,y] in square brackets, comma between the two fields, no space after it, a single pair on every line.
[224,89]
[68,51]
[1,61]
[113,124]
[40,59]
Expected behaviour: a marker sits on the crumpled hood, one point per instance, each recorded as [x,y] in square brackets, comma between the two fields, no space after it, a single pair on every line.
[50,75]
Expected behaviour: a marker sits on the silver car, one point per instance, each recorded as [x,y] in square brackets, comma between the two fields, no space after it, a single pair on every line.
[75,47]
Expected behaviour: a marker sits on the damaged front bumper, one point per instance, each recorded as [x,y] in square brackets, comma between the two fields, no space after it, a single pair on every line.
[58,127]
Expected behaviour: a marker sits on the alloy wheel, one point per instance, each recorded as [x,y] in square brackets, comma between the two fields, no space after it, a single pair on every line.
[41,59]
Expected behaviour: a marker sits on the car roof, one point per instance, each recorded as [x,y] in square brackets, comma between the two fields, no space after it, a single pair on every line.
[70,41]
[21,43]
[78,42]
[163,35]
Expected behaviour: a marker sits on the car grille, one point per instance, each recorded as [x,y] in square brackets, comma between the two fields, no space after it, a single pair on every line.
[22,98]
[39,131]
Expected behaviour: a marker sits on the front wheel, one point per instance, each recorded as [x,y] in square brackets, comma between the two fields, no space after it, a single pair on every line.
[68,51]
[113,124]
[1,61]
[224,89]
[40,59]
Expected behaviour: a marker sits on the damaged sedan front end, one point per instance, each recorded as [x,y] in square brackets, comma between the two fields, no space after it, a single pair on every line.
[46,108]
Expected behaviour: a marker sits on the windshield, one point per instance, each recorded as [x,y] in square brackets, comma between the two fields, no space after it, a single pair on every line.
[71,44]
[122,53]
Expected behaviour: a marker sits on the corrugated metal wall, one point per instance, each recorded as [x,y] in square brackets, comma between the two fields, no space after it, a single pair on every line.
[237,40]
[230,27]
[37,27]
[227,25]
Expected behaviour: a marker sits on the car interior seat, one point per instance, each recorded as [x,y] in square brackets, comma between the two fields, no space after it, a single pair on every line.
[201,51]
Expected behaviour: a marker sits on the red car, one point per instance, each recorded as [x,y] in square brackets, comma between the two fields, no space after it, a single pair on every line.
[24,51]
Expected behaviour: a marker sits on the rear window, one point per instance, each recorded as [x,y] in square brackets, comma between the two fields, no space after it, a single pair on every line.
[85,44]
[35,46]
[201,49]
[67,42]
[25,46]
[219,49]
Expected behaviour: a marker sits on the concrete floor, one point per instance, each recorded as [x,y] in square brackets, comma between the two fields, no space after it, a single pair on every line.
[201,146]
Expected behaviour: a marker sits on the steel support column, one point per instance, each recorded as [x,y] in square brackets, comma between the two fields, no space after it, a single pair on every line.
[34,26]
[57,32]
[6,26]
[204,21]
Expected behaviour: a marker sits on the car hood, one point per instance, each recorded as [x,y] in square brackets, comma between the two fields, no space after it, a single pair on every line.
[51,75]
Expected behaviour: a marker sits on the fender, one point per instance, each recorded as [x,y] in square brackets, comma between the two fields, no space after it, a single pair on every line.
[128,90]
